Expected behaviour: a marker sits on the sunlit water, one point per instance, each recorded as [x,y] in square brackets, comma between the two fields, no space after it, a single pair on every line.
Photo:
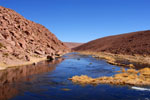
[49,81]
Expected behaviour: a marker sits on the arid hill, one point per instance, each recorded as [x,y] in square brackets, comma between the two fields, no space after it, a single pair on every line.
[23,40]
[129,43]
[72,44]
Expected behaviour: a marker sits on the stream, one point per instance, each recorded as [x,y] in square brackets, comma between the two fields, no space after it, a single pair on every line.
[49,81]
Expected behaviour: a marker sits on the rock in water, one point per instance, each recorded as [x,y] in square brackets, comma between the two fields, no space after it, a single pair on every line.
[50,58]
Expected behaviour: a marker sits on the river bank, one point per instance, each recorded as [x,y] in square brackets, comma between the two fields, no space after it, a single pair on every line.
[131,61]
[129,76]
[23,63]
[125,77]
[48,81]
[33,61]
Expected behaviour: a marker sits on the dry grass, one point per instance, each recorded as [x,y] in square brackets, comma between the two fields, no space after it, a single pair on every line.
[2,46]
[129,77]
[124,77]
[5,54]
[116,59]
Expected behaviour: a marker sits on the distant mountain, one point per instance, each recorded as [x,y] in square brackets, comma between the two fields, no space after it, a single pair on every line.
[129,43]
[22,40]
[72,44]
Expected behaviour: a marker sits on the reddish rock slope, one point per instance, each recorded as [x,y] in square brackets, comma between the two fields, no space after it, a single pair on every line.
[72,44]
[129,43]
[21,39]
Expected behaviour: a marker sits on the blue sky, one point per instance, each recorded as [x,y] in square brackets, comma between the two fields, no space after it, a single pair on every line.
[85,20]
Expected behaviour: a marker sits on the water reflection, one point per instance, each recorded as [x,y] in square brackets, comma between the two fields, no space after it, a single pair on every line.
[18,74]
[45,81]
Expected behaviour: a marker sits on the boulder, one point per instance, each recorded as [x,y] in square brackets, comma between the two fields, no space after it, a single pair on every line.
[50,58]
[22,43]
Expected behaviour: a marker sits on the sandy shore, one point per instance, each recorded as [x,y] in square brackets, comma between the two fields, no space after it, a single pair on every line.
[33,60]
[22,63]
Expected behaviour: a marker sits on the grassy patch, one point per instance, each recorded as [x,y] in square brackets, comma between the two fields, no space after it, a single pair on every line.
[124,77]
[1,45]
[120,59]
[5,54]
[37,56]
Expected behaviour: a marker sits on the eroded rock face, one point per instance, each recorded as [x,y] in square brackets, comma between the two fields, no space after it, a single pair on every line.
[21,39]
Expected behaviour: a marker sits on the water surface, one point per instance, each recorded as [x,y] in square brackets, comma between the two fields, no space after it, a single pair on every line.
[49,81]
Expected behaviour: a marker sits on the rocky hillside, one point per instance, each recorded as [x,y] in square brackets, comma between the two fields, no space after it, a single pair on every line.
[23,40]
[72,44]
[129,43]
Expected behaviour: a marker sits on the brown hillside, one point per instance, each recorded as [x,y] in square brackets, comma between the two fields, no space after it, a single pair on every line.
[129,43]
[72,44]
[21,39]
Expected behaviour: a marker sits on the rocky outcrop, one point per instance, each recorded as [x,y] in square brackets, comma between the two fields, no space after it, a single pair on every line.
[23,40]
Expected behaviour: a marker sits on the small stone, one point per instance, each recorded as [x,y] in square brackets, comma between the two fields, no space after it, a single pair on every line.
[35,63]
[27,58]
[22,43]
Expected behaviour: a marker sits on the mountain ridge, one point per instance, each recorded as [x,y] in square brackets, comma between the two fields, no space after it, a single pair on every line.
[72,44]
[127,43]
